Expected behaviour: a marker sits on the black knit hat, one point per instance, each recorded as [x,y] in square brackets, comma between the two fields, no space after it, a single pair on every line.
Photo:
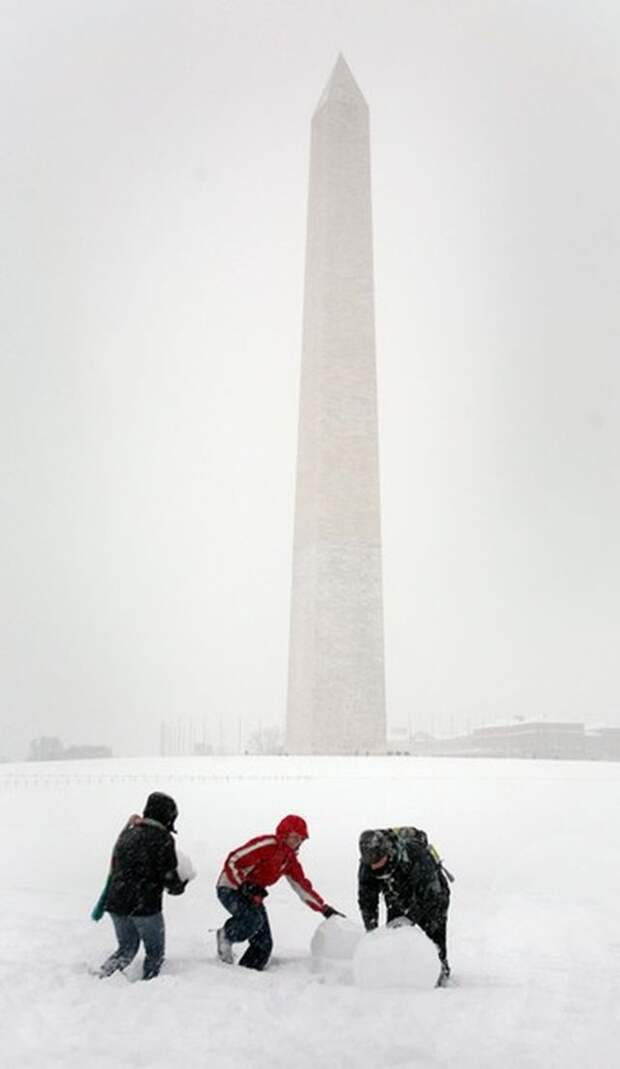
[163,808]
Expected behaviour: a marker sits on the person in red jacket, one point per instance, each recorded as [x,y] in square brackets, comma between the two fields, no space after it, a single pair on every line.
[242,888]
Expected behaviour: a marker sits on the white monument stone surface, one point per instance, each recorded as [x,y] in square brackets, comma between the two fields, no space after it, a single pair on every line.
[336,697]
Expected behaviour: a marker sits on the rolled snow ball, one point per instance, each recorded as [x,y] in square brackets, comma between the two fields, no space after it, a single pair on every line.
[336,939]
[395,957]
[185,868]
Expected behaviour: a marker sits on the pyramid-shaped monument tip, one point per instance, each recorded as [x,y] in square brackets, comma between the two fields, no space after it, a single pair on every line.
[341,85]
[342,68]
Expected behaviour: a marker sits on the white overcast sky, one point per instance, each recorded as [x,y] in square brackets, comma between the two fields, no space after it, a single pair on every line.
[154,182]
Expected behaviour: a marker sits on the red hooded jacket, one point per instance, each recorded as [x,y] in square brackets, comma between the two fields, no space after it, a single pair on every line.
[266,858]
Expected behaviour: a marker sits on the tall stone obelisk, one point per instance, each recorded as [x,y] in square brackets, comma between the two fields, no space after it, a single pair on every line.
[336,695]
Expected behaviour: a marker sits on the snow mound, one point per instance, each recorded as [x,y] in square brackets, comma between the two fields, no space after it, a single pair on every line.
[395,957]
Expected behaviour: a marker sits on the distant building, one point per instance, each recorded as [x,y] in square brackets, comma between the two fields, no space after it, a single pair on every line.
[84,753]
[603,744]
[50,748]
[46,748]
[534,738]
[550,739]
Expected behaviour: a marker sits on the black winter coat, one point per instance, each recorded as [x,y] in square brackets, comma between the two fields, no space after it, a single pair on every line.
[412,884]
[144,862]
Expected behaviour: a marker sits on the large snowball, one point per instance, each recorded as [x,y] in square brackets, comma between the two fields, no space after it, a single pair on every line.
[185,868]
[333,946]
[395,957]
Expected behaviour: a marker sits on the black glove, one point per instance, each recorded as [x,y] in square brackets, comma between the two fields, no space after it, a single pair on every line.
[254,892]
[173,884]
[178,888]
[329,911]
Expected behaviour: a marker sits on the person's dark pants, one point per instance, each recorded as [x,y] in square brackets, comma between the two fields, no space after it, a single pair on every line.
[435,927]
[248,921]
[129,932]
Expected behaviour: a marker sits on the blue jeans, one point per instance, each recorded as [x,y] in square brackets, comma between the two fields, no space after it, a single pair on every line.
[129,932]
[248,921]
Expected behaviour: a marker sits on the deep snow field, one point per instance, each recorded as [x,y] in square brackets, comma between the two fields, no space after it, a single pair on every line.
[534,932]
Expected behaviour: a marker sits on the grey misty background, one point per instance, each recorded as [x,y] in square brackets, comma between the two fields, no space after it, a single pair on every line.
[154,183]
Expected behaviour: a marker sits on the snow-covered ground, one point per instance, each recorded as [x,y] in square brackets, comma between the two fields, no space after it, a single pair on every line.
[534,924]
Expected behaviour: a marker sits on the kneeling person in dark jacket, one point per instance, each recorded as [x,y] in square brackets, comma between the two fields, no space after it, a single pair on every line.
[399,864]
[144,863]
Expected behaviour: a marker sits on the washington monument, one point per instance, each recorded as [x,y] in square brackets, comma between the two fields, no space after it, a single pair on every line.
[336,693]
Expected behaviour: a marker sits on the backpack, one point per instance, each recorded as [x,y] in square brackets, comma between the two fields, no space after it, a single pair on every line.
[407,835]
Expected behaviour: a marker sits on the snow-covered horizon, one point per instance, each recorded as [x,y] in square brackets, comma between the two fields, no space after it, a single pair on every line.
[534,931]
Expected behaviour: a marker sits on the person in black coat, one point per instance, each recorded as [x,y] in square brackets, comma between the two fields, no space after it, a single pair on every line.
[401,865]
[144,863]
